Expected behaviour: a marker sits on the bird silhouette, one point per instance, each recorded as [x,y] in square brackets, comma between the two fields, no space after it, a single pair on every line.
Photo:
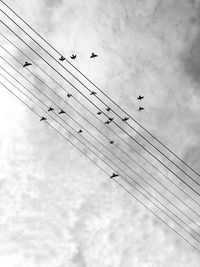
[93,55]
[111,142]
[99,113]
[111,119]
[73,56]
[26,64]
[108,109]
[93,93]
[62,112]
[43,119]
[140,97]
[69,95]
[50,109]
[62,58]
[114,175]
[80,131]
[107,122]
[125,119]
[140,108]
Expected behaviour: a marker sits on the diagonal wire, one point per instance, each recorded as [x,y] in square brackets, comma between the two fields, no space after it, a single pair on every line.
[89,122]
[107,116]
[108,175]
[104,155]
[101,102]
[89,80]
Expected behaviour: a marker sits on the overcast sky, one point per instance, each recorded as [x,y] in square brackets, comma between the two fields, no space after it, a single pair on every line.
[59,210]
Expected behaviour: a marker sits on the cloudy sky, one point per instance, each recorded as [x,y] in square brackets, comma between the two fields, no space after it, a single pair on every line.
[57,208]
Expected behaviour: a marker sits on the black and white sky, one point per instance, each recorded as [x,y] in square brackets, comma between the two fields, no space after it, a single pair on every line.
[57,208]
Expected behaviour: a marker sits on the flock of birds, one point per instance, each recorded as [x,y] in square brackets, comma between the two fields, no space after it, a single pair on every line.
[73,56]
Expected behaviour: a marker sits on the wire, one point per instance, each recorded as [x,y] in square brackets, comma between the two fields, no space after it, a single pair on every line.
[91,134]
[108,174]
[109,159]
[101,90]
[100,101]
[106,115]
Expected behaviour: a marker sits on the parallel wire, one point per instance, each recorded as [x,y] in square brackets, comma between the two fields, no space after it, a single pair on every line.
[89,122]
[101,102]
[109,175]
[102,111]
[109,158]
[89,80]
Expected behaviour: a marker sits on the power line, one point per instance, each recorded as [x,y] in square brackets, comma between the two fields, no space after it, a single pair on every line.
[86,130]
[108,175]
[109,151]
[112,109]
[105,114]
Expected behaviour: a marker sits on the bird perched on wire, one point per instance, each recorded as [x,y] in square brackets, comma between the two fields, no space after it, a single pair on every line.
[108,109]
[43,119]
[62,112]
[80,131]
[50,109]
[69,95]
[107,122]
[26,64]
[62,58]
[125,119]
[99,113]
[111,142]
[114,175]
[93,93]
[111,119]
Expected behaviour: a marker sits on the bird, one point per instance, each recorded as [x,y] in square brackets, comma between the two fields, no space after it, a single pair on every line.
[125,119]
[114,175]
[140,108]
[43,119]
[99,113]
[62,58]
[69,95]
[107,122]
[108,109]
[50,109]
[93,93]
[111,119]
[73,56]
[62,112]
[111,142]
[93,55]
[140,97]
[80,131]
[26,64]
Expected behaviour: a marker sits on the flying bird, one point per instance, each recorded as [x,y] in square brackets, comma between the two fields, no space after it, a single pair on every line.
[99,113]
[43,119]
[73,56]
[111,142]
[111,119]
[62,58]
[125,119]
[26,64]
[69,95]
[80,131]
[50,109]
[108,109]
[140,108]
[93,93]
[140,97]
[93,55]
[62,112]
[114,175]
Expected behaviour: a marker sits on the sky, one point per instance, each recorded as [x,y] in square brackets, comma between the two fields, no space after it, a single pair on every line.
[57,208]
